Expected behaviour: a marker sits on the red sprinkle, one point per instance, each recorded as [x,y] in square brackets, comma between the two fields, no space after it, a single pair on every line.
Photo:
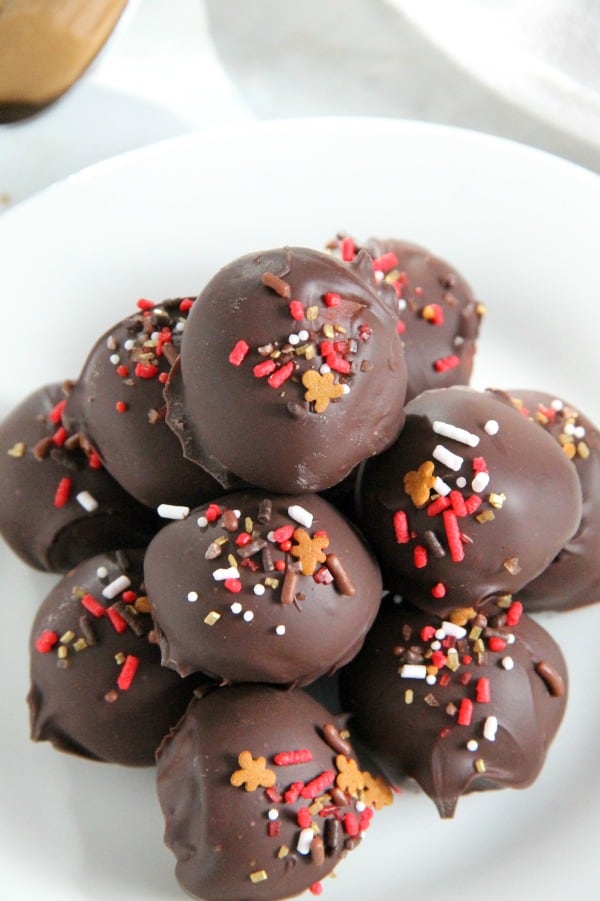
[316,888]
[293,792]
[280,565]
[466,659]
[400,327]
[122,371]
[323,576]
[479,464]
[289,758]
[495,643]
[145,370]
[144,304]
[60,436]
[285,546]
[273,795]
[273,828]
[163,378]
[365,819]
[465,712]
[332,299]
[420,556]
[444,680]
[427,633]
[283,533]
[46,641]
[304,817]
[213,512]
[401,527]
[238,354]
[128,597]
[94,461]
[435,314]
[128,671]
[186,304]
[438,506]
[316,786]
[264,368]
[465,678]
[347,249]
[117,621]
[483,693]
[351,826]
[385,262]
[92,605]
[513,614]
[55,414]
[338,364]
[63,491]
[438,659]
[121,406]
[458,503]
[472,503]
[364,332]
[233,585]
[439,590]
[443,364]
[281,375]
[296,310]
[445,732]
[243,539]
[455,544]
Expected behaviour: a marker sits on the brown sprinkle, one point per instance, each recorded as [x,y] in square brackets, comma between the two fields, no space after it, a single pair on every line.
[342,580]
[552,678]
[335,740]
[288,589]
[276,284]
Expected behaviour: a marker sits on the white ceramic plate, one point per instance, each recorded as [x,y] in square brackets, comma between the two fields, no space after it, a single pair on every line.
[158,222]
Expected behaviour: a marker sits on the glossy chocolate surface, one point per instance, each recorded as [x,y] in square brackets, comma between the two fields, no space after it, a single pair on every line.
[85,641]
[484,717]
[251,596]
[58,504]
[508,504]
[118,404]
[250,398]
[231,803]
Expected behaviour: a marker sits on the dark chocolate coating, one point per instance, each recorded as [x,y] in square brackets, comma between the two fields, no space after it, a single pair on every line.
[431,335]
[573,578]
[44,535]
[424,737]
[301,626]
[219,831]
[128,365]
[528,511]
[237,422]
[76,702]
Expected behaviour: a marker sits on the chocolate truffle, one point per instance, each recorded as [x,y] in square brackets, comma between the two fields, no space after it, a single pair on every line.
[97,687]
[439,314]
[260,588]
[459,706]
[118,404]
[261,795]
[472,501]
[58,505]
[291,371]
[573,578]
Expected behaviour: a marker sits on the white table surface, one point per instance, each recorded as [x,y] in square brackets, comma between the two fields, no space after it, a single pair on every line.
[176,67]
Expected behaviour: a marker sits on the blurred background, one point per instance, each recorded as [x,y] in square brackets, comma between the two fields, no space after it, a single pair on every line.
[521,69]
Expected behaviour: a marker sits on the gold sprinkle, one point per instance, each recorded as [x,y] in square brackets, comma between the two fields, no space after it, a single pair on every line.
[512,565]
[504,601]
[312,313]
[460,616]
[480,765]
[271,583]
[486,516]
[120,658]
[452,660]
[258,876]
[344,733]
[80,645]
[328,330]
[67,637]
[478,646]
[570,450]
[63,652]
[497,500]
[409,696]
[211,618]
[541,418]
[310,352]
[142,604]
[232,560]
[283,852]
[339,329]
[475,633]
[17,450]
[428,311]
[432,670]
[481,309]
[248,524]
[583,450]
[392,276]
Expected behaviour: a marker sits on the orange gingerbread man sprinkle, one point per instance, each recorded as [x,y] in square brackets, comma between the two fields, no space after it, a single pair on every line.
[253,773]
[309,550]
[418,483]
[320,389]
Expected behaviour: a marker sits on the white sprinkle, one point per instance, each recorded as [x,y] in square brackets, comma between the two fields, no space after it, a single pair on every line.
[280,630]
[345,389]
[379,275]
[508,663]
[102,572]
[248,616]
[569,429]
[303,335]
[259,589]
[87,501]
[116,587]
[510,638]
[273,814]
[579,431]
[461,482]
[324,369]
[360,806]
[453,629]
[480,482]
[115,359]
[491,427]
[129,344]
[472,745]
[301,515]
[397,599]
[172,511]
[445,456]
[293,339]
[305,840]
[431,680]
[236,608]
[557,404]
[435,645]
[230,572]
[401,304]
[441,487]
[490,727]
[447,430]
[413,671]
[180,326]
[440,634]
[202,522]
[192,596]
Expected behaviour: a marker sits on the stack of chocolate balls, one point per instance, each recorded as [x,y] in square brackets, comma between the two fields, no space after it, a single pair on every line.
[284,479]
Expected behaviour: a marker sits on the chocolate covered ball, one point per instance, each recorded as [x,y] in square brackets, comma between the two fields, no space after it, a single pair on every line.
[463,705]
[97,687]
[58,504]
[261,795]
[573,577]
[261,588]
[291,371]
[117,403]
[472,501]
[439,314]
